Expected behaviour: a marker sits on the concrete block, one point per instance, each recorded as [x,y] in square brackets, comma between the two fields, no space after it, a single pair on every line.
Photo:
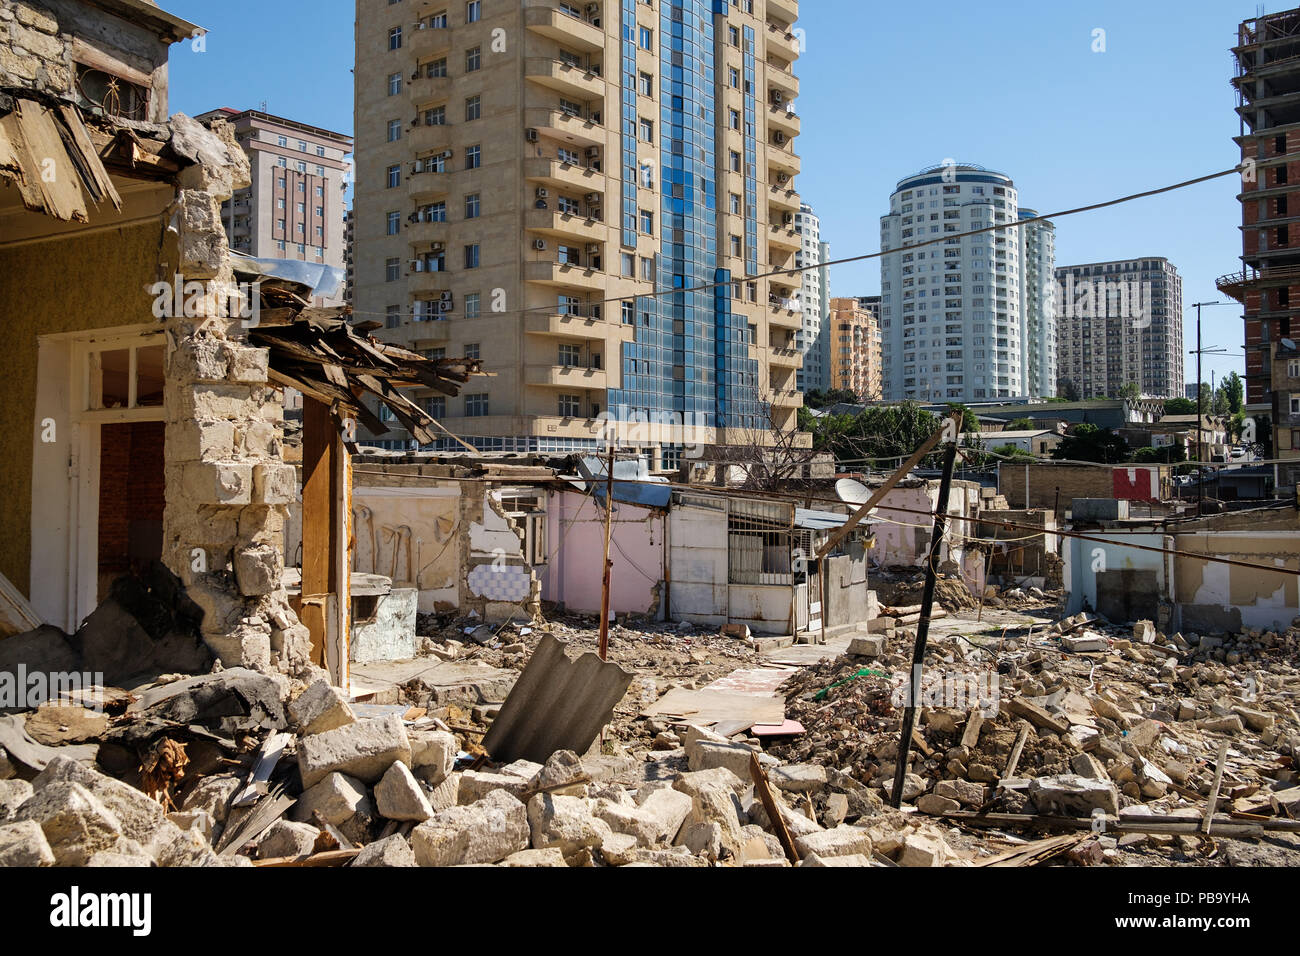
[287,838]
[199,820]
[965,792]
[550,856]
[867,647]
[716,805]
[477,784]
[364,749]
[321,707]
[138,815]
[935,805]
[561,773]
[565,823]
[692,783]
[484,832]
[258,571]
[1255,719]
[852,859]
[13,794]
[921,849]
[433,754]
[247,363]
[1232,724]
[1144,632]
[24,844]
[217,483]
[275,484]
[399,797]
[842,841]
[393,851]
[799,778]
[76,823]
[1088,766]
[1072,795]
[1084,644]
[706,755]
[213,795]
[337,799]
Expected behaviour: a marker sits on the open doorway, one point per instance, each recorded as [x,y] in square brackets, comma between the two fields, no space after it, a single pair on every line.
[131,499]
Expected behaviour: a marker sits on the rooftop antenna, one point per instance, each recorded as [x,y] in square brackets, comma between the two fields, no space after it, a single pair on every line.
[262,106]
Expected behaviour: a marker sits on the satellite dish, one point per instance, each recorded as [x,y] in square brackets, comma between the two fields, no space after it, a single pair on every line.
[852,492]
[1289,345]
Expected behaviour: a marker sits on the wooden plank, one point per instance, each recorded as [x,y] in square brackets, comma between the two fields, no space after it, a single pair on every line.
[328,858]
[1014,760]
[1208,819]
[1035,852]
[16,615]
[88,158]
[50,166]
[317,508]
[764,791]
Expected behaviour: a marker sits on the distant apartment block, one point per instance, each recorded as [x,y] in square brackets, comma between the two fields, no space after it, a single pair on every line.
[855,359]
[294,207]
[815,298]
[964,317]
[1120,323]
[534,203]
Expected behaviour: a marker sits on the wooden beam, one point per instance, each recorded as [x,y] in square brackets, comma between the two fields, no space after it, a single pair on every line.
[318,443]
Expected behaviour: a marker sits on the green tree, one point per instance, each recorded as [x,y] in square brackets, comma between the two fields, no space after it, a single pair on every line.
[1235,390]
[1180,406]
[969,420]
[877,432]
[1090,443]
[1013,451]
[1130,391]
[825,399]
[1021,425]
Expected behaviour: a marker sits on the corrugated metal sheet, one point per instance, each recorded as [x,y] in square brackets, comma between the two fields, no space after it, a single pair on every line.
[557,704]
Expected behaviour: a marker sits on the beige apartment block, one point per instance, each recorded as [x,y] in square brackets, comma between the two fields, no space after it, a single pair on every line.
[855,346]
[293,209]
[524,172]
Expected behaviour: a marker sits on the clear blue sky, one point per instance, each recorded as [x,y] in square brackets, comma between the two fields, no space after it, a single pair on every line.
[889,88]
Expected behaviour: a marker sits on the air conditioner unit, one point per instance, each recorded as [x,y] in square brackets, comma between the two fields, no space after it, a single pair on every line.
[446,154]
[542,192]
[439,247]
[783,178]
[788,218]
[593,152]
[779,138]
[531,135]
[778,97]
[539,245]
[541,204]
[444,305]
[445,296]
[593,9]
[593,197]
[593,249]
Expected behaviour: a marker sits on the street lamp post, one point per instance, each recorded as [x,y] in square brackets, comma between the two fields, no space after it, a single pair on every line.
[1199,351]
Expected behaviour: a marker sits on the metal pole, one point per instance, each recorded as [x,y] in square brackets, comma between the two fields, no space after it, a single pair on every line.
[1200,472]
[923,625]
[605,583]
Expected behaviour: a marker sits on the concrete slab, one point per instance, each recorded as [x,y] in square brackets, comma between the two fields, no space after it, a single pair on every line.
[446,678]
[804,655]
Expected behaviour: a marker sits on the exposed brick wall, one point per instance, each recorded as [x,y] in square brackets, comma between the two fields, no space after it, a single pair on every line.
[1074,481]
[131,489]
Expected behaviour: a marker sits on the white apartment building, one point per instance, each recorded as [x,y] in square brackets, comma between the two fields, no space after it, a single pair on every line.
[813,338]
[954,326]
[1038,299]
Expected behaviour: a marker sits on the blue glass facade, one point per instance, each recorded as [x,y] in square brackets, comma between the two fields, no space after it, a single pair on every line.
[690,357]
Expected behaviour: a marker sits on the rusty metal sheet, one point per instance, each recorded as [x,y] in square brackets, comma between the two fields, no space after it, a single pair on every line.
[557,704]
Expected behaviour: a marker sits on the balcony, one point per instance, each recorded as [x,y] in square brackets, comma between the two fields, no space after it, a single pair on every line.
[779,314]
[428,89]
[787,10]
[425,232]
[564,275]
[564,28]
[783,196]
[428,139]
[782,159]
[560,175]
[574,82]
[786,358]
[783,117]
[786,398]
[565,376]
[782,42]
[428,285]
[564,326]
[783,237]
[553,425]
[781,78]
[427,333]
[429,42]
[581,130]
[565,227]
[425,186]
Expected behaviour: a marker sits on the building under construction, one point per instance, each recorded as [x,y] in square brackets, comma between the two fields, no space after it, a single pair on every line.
[1267,80]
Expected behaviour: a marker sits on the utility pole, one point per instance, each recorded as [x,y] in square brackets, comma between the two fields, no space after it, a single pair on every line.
[1200,413]
[606,580]
[923,625]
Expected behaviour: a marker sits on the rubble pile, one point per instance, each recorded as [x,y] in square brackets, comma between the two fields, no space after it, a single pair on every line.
[1072,721]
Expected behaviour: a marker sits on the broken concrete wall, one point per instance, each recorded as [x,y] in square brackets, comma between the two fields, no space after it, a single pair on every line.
[1021,553]
[903,531]
[1212,597]
[848,595]
[499,579]
[1122,583]
[576,532]
[697,561]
